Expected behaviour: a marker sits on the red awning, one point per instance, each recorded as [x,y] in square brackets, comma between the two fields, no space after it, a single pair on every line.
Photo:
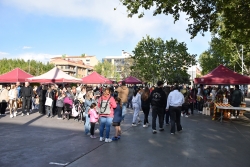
[55,75]
[16,75]
[95,78]
[222,75]
[132,80]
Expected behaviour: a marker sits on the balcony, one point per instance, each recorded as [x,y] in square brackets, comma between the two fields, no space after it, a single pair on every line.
[68,70]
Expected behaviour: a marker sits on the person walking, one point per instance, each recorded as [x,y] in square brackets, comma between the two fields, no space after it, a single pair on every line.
[26,93]
[145,105]
[106,103]
[117,119]
[123,95]
[136,102]
[158,101]
[174,105]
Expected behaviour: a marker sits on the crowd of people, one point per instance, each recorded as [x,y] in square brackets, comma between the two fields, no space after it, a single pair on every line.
[108,105]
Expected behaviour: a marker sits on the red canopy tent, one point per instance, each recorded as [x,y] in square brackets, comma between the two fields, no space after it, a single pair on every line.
[16,75]
[222,75]
[55,75]
[132,80]
[95,78]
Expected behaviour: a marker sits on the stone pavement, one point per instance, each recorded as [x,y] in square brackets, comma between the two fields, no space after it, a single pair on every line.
[37,141]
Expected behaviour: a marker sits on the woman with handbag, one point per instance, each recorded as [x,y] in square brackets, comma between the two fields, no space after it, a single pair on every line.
[49,103]
[106,104]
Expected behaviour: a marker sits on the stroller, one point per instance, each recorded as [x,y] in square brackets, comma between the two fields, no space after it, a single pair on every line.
[80,109]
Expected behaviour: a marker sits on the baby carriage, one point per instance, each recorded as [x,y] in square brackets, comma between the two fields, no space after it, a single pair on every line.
[80,109]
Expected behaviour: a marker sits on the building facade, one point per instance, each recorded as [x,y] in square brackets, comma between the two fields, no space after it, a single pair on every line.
[194,72]
[76,66]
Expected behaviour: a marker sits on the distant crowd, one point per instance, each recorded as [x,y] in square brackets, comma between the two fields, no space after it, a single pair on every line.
[107,105]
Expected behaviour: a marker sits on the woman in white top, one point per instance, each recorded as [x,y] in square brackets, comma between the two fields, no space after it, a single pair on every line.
[12,100]
[81,94]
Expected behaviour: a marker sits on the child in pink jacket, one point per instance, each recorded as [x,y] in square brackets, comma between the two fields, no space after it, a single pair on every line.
[93,115]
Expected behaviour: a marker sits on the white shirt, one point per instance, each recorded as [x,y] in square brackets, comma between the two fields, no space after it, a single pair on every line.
[175,98]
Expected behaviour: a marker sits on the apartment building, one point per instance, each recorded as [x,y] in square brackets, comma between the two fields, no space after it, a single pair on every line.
[77,66]
[194,72]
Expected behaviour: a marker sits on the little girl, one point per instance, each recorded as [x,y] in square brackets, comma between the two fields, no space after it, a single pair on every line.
[93,115]
[117,119]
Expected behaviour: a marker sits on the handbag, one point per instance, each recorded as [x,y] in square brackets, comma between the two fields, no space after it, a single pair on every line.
[105,107]
[48,101]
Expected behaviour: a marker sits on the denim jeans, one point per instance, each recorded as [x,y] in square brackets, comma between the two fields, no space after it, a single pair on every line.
[48,111]
[124,110]
[105,122]
[87,124]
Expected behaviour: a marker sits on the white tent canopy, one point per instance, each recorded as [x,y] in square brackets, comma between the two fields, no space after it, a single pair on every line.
[55,75]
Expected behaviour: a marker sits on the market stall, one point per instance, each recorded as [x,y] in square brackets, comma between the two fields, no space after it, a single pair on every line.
[95,78]
[16,75]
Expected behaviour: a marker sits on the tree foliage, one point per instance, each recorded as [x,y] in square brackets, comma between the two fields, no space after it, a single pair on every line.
[107,70]
[224,51]
[33,67]
[204,15]
[155,59]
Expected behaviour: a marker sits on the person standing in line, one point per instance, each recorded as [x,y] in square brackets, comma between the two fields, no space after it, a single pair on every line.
[12,101]
[123,95]
[26,93]
[145,105]
[236,100]
[136,101]
[106,119]
[158,101]
[49,107]
[93,117]
[88,101]
[174,105]
[42,99]
[4,98]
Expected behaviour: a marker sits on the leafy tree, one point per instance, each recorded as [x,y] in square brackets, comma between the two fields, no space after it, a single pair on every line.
[224,51]
[155,59]
[33,67]
[204,15]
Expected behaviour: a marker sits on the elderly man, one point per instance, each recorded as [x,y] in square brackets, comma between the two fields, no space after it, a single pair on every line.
[174,104]
[26,93]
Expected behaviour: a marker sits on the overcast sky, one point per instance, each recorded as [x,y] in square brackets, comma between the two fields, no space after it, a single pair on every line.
[40,29]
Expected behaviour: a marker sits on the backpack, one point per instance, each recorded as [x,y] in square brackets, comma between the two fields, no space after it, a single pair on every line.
[105,107]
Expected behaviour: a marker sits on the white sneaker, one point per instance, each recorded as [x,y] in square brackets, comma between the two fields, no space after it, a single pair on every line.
[15,114]
[233,117]
[181,114]
[22,115]
[133,124]
[28,113]
[108,140]
[101,138]
[11,116]
[145,126]
[186,116]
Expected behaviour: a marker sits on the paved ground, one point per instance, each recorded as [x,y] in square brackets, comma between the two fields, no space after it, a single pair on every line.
[34,141]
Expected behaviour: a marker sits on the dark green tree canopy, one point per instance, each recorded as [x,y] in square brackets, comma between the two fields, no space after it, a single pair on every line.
[155,59]
[204,15]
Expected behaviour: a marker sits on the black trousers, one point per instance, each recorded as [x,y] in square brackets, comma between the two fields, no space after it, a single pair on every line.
[92,128]
[3,106]
[191,106]
[146,113]
[167,117]
[26,102]
[175,118]
[59,112]
[157,111]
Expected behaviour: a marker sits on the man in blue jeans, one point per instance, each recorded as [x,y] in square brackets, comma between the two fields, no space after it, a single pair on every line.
[123,95]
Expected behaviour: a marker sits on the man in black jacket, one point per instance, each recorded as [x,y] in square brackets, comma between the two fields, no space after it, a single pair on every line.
[26,93]
[158,101]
